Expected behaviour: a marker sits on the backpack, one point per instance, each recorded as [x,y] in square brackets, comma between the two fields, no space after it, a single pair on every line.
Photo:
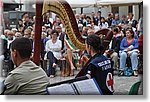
[128,71]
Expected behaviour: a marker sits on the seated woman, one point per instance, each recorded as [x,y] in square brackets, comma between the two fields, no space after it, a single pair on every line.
[129,48]
[98,67]
[69,48]
[53,49]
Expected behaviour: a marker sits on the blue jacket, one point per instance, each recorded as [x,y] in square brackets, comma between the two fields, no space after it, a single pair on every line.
[100,68]
[124,44]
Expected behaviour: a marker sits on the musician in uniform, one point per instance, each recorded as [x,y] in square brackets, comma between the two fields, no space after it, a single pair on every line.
[99,67]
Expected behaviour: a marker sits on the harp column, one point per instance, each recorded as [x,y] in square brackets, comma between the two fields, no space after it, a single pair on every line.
[38,30]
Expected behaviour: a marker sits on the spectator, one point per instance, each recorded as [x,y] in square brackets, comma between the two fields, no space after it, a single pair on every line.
[5,36]
[46,22]
[99,13]
[27,78]
[114,48]
[90,26]
[109,19]
[20,26]
[68,54]
[11,37]
[18,35]
[123,20]
[120,32]
[57,22]
[83,18]
[140,39]
[14,30]
[27,22]
[88,20]
[61,35]
[53,49]
[131,20]
[49,34]
[90,31]
[43,29]
[84,32]
[27,33]
[78,20]
[24,16]
[44,38]
[103,24]
[4,51]
[129,47]
[140,26]
[96,18]
[116,21]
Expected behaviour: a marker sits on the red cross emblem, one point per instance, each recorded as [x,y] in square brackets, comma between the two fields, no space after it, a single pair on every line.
[109,82]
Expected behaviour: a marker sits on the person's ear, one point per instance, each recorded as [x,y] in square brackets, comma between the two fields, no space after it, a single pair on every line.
[14,53]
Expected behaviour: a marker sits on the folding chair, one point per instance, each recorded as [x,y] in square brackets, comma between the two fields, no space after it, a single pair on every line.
[134,88]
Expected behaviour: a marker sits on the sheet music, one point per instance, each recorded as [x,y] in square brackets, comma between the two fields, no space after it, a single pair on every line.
[63,89]
[82,87]
[87,87]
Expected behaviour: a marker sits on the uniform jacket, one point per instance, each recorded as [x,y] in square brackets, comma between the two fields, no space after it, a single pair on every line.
[100,68]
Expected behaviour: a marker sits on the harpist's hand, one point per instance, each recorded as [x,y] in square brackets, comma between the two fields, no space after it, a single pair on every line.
[84,58]
[88,75]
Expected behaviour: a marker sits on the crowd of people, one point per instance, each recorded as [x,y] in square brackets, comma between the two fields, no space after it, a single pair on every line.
[87,24]
[124,44]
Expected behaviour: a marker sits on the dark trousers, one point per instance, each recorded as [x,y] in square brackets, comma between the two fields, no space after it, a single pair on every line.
[52,59]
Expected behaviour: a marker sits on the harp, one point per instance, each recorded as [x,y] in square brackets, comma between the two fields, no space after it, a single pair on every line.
[64,11]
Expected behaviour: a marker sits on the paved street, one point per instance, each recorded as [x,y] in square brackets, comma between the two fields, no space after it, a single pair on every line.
[121,84]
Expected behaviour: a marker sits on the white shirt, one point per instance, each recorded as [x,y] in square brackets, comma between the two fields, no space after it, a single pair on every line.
[54,47]
[8,43]
[104,25]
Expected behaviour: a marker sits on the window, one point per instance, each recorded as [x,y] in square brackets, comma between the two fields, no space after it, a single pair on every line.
[115,9]
[130,9]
